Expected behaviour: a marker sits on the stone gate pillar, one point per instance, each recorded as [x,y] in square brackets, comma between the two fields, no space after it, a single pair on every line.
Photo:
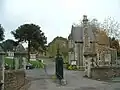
[90,58]
[19,54]
[2,68]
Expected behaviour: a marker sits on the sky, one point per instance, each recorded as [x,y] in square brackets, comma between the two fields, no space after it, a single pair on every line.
[55,17]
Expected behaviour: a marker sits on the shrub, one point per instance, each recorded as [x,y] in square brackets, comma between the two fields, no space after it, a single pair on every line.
[70,67]
[74,67]
[36,64]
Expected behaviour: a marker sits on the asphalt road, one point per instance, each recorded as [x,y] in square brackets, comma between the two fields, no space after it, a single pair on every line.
[40,80]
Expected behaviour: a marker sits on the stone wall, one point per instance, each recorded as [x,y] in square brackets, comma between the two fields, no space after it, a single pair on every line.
[104,73]
[14,79]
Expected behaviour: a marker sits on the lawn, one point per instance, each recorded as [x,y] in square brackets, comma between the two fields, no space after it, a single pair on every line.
[36,64]
[9,61]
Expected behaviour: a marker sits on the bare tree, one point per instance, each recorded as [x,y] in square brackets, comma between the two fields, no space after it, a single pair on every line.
[111,27]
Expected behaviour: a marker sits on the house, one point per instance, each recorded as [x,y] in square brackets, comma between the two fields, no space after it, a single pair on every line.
[86,39]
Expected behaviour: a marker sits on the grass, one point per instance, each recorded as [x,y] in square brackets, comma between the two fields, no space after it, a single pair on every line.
[9,61]
[36,64]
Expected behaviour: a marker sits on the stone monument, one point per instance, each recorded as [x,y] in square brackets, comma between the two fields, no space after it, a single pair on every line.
[19,55]
[89,55]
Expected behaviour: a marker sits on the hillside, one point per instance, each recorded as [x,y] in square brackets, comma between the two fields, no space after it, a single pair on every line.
[63,45]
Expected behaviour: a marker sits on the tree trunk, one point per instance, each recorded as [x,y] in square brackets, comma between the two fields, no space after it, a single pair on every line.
[28,50]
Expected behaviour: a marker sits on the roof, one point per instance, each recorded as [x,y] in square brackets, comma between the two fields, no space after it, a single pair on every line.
[77,33]
[20,48]
[102,38]
[101,48]
[69,37]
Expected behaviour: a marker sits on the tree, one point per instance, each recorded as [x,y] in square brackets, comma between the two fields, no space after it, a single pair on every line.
[1,33]
[114,43]
[111,27]
[60,42]
[30,33]
[9,45]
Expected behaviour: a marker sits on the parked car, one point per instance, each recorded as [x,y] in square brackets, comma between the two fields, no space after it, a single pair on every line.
[29,66]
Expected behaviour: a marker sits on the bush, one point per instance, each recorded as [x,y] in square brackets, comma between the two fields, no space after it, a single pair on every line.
[70,67]
[36,64]
[74,67]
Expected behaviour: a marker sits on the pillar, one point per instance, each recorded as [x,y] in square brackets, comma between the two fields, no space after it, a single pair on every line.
[3,67]
[16,63]
[24,63]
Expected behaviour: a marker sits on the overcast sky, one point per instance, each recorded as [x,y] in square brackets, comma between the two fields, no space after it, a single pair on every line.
[55,17]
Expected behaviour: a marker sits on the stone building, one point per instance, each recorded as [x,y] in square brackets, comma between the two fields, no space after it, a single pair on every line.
[84,39]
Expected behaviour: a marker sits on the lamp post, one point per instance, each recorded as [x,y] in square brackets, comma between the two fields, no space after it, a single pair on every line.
[59,66]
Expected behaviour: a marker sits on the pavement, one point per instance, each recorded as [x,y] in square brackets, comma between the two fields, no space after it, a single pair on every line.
[40,80]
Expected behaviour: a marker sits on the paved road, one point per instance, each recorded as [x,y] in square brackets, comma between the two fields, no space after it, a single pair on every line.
[75,81]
